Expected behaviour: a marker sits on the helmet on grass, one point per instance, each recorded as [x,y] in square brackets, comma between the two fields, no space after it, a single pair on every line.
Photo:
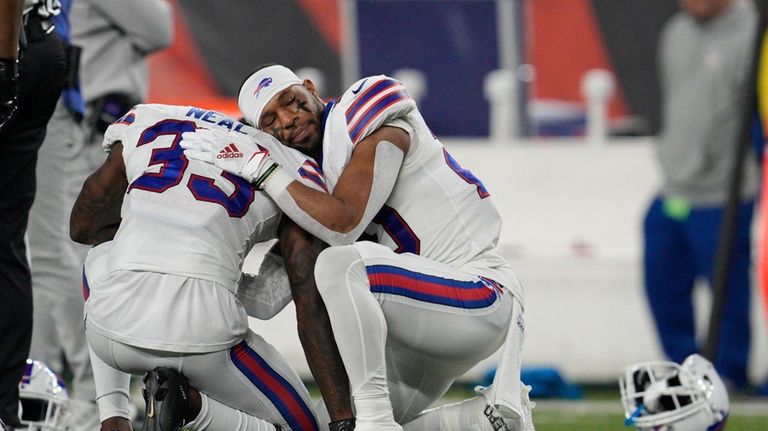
[665,396]
[44,399]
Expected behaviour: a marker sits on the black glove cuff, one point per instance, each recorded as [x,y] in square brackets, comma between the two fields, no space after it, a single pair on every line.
[9,69]
[342,425]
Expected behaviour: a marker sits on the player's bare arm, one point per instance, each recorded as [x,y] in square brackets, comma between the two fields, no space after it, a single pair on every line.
[338,218]
[116,423]
[344,209]
[96,213]
[300,252]
[10,11]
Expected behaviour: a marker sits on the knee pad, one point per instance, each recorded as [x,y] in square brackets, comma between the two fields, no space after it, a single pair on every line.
[336,265]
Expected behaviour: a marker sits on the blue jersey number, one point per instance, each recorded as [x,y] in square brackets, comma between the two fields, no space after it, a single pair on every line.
[173,164]
[398,230]
[466,175]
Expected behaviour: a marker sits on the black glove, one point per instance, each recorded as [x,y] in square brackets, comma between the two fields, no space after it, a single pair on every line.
[110,108]
[9,90]
[342,425]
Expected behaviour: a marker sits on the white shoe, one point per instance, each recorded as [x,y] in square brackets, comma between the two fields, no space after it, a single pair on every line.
[493,421]
[528,406]
[516,423]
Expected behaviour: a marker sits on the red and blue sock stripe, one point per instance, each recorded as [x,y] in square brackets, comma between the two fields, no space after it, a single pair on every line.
[283,395]
[430,288]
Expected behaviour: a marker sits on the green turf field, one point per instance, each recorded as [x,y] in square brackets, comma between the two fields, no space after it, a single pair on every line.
[597,416]
[558,421]
[601,410]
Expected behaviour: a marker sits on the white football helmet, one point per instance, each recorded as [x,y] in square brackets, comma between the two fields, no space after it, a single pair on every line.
[665,396]
[44,400]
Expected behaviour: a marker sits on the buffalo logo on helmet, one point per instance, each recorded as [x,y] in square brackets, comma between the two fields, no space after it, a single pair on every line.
[263,84]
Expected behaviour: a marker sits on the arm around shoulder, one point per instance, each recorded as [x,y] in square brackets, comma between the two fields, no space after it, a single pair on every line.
[363,188]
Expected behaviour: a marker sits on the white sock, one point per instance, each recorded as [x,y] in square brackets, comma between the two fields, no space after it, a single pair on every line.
[374,408]
[215,416]
[360,331]
[460,416]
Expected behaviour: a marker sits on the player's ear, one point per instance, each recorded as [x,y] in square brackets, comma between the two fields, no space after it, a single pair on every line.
[309,85]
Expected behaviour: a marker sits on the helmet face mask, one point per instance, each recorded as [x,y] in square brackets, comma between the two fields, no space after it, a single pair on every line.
[665,396]
[44,400]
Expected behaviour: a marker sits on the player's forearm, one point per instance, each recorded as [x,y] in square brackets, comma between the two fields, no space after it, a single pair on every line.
[341,218]
[315,219]
[94,215]
[104,234]
[314,327]
[330,211]
[10,26]
[324,216]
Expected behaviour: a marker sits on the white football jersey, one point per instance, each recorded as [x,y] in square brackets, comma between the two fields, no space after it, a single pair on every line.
[174,264]
[437,209]
[184,216]
[181,216]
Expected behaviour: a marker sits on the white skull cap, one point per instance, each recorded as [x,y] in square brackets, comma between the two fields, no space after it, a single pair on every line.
[260,88]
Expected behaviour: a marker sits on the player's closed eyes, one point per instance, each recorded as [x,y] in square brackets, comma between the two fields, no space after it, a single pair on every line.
[267,121]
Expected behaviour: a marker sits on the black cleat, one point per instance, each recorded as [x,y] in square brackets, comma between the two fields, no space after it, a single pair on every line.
[165,394]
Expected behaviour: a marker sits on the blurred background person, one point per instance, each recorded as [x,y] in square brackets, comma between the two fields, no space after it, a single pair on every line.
[33,84]
[114,39]
[704,59]
[10,25]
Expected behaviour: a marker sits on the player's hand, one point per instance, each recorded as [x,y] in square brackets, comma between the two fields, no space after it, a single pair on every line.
[232,152]
[9,90]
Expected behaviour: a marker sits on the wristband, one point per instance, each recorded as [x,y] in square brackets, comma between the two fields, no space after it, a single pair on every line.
[275,182]
[258,182]
[342,425]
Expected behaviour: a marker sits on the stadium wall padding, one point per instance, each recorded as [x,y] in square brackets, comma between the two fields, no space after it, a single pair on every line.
[237,35]
[453,42]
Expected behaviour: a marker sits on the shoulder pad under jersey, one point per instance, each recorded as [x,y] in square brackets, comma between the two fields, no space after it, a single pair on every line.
[142,115]
[371,103]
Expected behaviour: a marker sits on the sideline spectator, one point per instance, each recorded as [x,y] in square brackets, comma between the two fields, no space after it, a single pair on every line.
[705,54]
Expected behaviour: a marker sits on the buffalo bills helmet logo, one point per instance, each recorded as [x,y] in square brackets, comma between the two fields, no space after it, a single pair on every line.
[263,84]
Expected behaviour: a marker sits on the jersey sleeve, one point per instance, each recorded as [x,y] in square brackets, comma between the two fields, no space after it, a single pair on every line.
[373,102]
[300,166]
[118,130]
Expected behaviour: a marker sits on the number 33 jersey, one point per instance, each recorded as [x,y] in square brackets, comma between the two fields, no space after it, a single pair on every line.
[182,216]
[436,209]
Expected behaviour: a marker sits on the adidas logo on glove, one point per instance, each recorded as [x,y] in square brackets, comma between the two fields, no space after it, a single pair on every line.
[229,152]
